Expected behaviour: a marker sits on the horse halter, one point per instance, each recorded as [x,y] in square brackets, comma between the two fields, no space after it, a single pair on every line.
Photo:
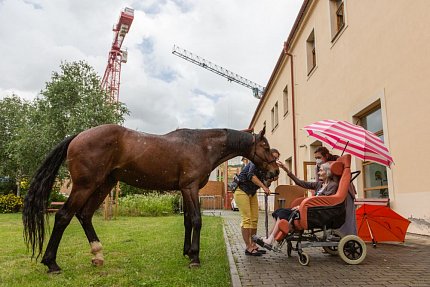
[256,155]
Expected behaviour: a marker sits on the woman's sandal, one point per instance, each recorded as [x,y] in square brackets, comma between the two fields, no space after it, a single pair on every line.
[254,252]
[262,251]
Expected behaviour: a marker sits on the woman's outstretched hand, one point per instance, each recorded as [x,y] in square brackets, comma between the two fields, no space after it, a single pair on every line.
[282,165]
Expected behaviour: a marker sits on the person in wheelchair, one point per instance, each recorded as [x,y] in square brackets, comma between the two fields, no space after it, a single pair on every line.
[326,185]
[313,221]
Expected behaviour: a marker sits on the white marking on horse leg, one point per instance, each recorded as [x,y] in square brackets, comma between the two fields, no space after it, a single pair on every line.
[96,249]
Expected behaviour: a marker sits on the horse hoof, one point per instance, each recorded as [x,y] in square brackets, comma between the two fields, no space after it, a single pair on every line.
[194,265]
[54,271]
[97,262]
[53,268]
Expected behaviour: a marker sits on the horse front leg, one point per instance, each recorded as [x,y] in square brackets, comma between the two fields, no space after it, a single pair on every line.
[194,253]
[188,227]
[193,224]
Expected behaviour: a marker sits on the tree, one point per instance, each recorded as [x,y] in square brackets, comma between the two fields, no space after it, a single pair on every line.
[71,102]
[74,101]
[13,115]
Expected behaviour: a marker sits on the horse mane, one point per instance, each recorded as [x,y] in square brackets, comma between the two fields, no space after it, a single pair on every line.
[238,140]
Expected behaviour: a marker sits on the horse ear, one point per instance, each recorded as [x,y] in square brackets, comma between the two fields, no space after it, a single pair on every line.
[262,132]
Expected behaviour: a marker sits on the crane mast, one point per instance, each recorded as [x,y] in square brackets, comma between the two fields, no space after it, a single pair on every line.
[231,76]
[111,81]
[112,76]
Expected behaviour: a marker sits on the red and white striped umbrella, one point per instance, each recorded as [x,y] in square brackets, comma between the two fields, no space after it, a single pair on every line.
[351,139]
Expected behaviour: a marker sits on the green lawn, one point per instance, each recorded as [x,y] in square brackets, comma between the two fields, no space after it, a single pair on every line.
[138,251]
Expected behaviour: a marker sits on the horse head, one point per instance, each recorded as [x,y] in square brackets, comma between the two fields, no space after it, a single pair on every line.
[262,157]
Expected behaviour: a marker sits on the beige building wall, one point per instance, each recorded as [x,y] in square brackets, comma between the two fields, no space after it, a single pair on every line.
[380,56]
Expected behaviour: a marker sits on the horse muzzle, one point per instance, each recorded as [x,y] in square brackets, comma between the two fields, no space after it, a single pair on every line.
[272,174]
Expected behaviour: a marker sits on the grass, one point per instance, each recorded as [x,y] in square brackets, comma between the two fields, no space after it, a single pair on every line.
[138,251]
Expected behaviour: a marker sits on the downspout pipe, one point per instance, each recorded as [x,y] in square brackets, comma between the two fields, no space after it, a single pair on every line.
[293,107]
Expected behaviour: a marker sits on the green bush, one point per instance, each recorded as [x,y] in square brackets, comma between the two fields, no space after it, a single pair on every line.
[10,203]
[56,196]
[153,204]
[127,190]
[7,185]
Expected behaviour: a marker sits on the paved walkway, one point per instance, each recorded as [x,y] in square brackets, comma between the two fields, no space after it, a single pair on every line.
[387,265]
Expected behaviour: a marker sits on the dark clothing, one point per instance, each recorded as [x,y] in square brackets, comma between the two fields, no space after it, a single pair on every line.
[282,213]
[245,176]
[350,225]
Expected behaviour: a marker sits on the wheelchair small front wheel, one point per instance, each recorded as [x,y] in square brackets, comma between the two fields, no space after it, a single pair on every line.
[352,249]
[304,259]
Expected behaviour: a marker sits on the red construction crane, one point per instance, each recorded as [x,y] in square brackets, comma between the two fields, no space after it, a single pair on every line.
[111,79]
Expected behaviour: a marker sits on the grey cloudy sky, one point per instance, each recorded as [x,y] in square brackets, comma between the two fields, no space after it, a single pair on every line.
[162,91]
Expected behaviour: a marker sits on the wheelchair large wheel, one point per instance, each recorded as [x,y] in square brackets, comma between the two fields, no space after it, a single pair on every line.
[352,249]
[304,259]
[334,236]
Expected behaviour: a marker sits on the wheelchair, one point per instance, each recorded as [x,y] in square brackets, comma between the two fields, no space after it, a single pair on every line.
[314,223]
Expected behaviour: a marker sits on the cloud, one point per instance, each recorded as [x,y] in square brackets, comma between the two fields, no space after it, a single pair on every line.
[162,91]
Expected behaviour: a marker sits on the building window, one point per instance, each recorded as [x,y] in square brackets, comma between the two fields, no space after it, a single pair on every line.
[374,175]
[285,100]
[337,16]
[311,55]
[272,117]
[275,119]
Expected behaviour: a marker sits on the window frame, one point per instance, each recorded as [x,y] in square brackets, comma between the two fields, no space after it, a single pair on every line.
[337,18]
[285,100]
[311,52]
[275,116]
[378,133]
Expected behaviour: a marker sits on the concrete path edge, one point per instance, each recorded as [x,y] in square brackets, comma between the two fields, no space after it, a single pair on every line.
[235,279]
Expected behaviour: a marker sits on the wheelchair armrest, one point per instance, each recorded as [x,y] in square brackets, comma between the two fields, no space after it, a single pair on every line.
[297,201]
[322,200]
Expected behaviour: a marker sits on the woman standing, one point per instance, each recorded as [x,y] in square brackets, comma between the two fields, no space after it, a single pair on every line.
[250,180]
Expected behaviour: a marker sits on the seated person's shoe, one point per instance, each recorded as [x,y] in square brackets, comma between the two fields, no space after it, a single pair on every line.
[261,242]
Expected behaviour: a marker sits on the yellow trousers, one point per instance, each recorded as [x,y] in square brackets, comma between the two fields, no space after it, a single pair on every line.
[248,208]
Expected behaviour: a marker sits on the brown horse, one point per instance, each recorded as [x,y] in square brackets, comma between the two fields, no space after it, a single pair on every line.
[100,157]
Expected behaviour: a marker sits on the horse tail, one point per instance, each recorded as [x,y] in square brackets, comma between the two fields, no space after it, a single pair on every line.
[36,201]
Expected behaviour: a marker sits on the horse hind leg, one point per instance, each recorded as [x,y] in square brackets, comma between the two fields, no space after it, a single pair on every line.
[62,220]
[85,216]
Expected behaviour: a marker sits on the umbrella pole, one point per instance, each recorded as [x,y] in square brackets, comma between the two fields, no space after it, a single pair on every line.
[371,233]
[344,148]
